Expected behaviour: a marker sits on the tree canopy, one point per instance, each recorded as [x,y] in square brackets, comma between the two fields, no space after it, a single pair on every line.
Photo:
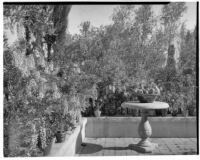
[49,74]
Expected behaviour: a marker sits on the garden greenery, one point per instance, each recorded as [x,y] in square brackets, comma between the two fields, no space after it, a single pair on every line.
[52,77]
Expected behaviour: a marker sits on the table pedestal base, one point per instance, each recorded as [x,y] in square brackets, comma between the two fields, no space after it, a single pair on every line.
[144,128]
[145,131]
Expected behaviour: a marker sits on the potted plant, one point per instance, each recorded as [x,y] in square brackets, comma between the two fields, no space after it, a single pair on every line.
[192,110]
[174,112]
[174,107]
[60,116]
[50,141]
[185,112]
[164,112]
[146,92]
[97,111]
[166,97]
[192,104]
[61,132]
[97,107]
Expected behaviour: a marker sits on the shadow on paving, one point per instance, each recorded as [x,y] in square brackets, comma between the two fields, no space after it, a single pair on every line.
[189,153]
[91,148]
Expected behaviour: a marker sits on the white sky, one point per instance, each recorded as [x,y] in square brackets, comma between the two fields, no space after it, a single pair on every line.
[101,15]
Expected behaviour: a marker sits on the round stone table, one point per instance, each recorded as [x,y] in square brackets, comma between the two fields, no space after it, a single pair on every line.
[144,128]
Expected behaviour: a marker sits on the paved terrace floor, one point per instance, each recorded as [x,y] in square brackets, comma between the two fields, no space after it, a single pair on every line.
[119,146]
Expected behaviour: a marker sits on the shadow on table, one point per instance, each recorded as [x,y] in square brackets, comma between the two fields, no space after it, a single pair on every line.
[116,148]
[90,148]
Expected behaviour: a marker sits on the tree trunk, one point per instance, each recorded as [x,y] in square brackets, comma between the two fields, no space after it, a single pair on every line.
[60,19]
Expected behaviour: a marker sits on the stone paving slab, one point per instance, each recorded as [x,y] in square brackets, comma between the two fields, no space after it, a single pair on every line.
[119,147]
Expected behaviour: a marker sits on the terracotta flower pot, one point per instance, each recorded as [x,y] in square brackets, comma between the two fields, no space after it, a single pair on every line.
[185,113]
[48,148]
[97,113]
[192,112]
[60,136]
[174,113]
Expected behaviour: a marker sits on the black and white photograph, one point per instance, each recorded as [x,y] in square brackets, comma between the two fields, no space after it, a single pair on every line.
[100,78]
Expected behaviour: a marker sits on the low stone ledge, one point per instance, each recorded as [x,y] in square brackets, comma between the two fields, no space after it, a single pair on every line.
[72,142]
[126,127]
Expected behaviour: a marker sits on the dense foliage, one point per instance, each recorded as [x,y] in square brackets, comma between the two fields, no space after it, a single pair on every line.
[140,46]
[42,93]
[51,77]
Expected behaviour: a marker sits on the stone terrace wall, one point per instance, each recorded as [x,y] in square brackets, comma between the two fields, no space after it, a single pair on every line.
[127,127]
